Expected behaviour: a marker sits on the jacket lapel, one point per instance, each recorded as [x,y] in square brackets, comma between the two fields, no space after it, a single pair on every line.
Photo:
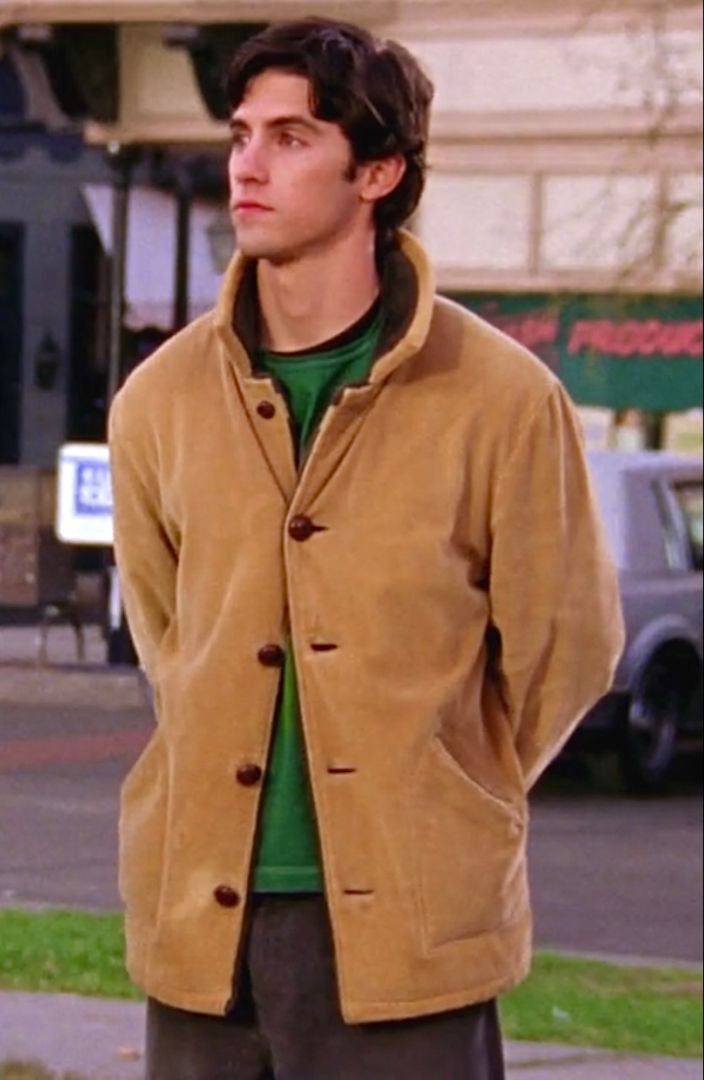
[408,294]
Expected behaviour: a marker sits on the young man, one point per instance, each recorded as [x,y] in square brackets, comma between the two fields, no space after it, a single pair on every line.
[364,573]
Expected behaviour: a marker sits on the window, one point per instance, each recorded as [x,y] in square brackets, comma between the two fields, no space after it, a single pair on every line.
[690,499]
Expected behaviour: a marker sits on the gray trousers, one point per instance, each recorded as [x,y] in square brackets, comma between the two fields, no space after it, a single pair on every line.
[286,1023]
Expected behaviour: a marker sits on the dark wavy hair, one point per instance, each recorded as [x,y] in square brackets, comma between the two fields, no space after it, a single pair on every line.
[374,90]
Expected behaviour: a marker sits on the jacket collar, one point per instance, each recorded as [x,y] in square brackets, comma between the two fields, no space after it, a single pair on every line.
[407,303]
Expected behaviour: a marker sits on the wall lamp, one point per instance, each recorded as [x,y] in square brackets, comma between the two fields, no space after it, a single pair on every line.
[47,360]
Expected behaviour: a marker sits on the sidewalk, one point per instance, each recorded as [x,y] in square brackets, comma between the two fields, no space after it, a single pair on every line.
[63,681]
[104,1040]
[19,644]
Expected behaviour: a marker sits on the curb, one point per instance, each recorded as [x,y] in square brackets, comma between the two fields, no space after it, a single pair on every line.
[620,960]
[87,686]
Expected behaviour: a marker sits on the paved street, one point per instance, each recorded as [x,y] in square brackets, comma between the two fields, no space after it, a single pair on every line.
[618,875]
[60,773]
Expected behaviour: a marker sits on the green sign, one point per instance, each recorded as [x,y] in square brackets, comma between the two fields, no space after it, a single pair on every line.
[619,352]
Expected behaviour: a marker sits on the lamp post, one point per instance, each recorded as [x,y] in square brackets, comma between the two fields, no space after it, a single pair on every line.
[122,160]
[120,649]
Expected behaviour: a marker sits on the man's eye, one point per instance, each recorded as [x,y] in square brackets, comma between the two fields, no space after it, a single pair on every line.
[238,139]
[288,138]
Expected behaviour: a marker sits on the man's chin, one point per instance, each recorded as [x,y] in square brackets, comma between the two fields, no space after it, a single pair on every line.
[258,248]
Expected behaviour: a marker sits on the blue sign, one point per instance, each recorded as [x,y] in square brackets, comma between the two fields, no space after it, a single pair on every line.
[93,491]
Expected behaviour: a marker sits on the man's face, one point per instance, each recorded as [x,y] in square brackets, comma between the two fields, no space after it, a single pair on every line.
[290,187]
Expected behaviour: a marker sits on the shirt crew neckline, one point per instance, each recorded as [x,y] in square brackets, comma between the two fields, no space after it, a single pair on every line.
[349,336]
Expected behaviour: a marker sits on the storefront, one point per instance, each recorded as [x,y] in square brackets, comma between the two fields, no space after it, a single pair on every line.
[629,355]
[56,217]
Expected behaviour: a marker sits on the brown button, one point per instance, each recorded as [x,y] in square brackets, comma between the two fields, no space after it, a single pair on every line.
[248,774]
[266,409]
[226,897]
[271,656]
[300,527]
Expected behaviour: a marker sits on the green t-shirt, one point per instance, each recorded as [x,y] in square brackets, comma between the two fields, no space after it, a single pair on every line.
[288,857]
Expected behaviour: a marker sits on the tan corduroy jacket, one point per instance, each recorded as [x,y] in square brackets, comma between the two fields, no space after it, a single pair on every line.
[438,562]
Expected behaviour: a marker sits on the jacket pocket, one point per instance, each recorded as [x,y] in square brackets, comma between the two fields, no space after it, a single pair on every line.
[143,809]
[470,852]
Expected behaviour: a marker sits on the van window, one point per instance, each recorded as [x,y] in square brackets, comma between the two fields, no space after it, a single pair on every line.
[690,500]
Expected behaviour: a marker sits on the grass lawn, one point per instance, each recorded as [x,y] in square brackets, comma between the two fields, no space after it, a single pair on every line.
[590,1003]
[566,1000]
[69,951]
[25,1070]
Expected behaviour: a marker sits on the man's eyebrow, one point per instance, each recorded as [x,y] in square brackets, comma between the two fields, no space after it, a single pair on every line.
[294,120]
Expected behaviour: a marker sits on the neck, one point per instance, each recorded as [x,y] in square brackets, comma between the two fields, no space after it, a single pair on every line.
[315,297]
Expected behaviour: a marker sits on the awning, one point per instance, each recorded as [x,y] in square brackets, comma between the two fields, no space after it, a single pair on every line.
[34,101]
[151,253]
[620,352]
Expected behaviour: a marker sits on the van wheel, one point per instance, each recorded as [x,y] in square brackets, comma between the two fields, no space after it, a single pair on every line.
[648,737]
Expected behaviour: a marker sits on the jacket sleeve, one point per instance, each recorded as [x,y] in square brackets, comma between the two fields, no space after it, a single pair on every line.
[553,586]
[146,556]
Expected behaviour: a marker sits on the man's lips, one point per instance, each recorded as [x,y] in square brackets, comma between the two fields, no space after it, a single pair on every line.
[250,204]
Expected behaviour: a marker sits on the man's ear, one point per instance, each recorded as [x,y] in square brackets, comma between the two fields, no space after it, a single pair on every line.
[380,178]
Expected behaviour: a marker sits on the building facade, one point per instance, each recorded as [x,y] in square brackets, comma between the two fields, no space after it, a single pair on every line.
[563,199]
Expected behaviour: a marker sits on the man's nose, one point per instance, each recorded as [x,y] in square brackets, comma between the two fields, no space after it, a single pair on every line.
[249,162]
